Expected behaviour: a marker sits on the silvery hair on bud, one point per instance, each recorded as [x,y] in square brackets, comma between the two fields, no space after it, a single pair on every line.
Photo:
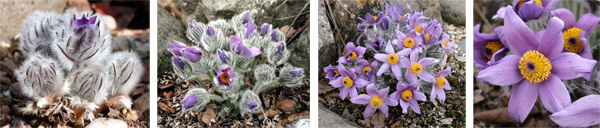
[39,77]
[36,33]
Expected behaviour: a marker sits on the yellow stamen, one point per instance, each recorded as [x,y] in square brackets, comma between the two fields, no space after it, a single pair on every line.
[534,66]
[375,17]
[347,82]
[393,58]
[376,101]
[409,42]
[400,17]
[407,95]
[427,37]
[336,72]
[419,28]
[441,82]
[571,40]
[416,68]
[365,70]
[445,43]
[491,48]
[538,2]
[224,78]
[352,56]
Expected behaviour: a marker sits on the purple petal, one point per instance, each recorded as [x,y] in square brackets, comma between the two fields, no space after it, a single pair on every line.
[369,111]
[419,96]
[249,29]
[426,76]
[178,62]
[554,94]
[520,38]
[414,57]
[223,56]
[383,92]
[265,29]
[570,66]
[192,53]
[584,112]
[189,101]
[210,31]
[372,90]
[441,94]
[389,49]
[445,72]
[433,93]
[337,82]
[381,57]
[359,83]
[383,69]
[246,17]
[404,106]
[360,50]
[251,52]
[414,106]
[390,102]
[506,72]
[551,43]
[588,22]
[384,109]
[426,61]
[521,101]
[530,10]
[447,86]
[353,92]
[344,92]
[566,16]
[411,77]
[396,69]
[361,99]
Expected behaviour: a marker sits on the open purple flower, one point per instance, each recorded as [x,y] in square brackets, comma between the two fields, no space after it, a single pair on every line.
[332,72]
[377,43]
[527,9]
[225,76]
[394,14]
[189,101]
[83,23]
[584,112]
[176,47]
[441,84]
[575,34]
[415,68]
[416,22]
[223,56]
[370,20]
[432,33]
[444,42]
[178,62]
[377,100]
[251,104]
[354,53]
[347,82]
[408,96]
[192,53]
[391,60]
[240,48]
[536,68]
[411,41]
[366,70]
[487,48]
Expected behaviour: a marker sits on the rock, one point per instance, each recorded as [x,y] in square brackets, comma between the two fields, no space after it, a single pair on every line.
[326,45]
[286,105]
[454,11]
[300,49]
[327,118]
[15,11]
[79,4]
[142,103]
[106,123]
[110,22]
[169,30]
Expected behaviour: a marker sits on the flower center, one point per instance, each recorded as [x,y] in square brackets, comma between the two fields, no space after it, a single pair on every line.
[224,78]
[416,68]
[392,59]
[376,102]
[352,56]
[347,82]
[571,40]
[419,28]
[409,42]
[538,2]
[491,48]
[400,17]
[441,82]
[427,37]
[407,95]
[336,72]
[375,17]
[534,66]
[366,70]
[445,43]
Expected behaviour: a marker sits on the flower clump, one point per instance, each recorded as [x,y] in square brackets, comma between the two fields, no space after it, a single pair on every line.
[400,42]
[540,61]
[229,52]
[69,55]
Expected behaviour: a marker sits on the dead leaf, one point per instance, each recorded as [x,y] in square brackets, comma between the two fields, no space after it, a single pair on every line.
[498,115]
[142,103]
[286,105]
[477,98]
[377,120]
[208,116]
[398,123]
[166,107]
[324,87]
[446,121]
[133,115]
[270,113]
[168,94]
[289,33]
[249,81]
[164,86]
[138,91]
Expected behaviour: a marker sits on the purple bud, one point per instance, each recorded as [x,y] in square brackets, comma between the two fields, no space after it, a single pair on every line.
[210,32]
[274,36]
[251,104]
[223,56]
[297,72]
[84,22]
[377,43]
[191,24]
[192,53]
[189,101]
[280,48]
[265,29]
[249,29]
[246,17]
[178,62]
[176,47]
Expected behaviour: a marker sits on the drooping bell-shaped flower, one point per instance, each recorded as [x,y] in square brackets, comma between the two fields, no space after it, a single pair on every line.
[192,54]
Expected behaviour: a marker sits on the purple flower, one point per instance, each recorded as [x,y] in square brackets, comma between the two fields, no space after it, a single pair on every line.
[354,53]
[487,48]
[536,68]
[176,47]
[249,29]
[178,62]
[408,96]
[416,22]
[189,101]
[192,24]
[584,112]
[275,36]
[251,104]
[239,48]
[225,76]
[444,42]
[575,34]
[347,82]
[280,48]
[431,33]
[370,20]
[377,100]
[384,24]
[411,41]
[366,70]
[223,56]
[82,23]
[264,29]
[210,31]
[391,59]
[246,17]
[394,14]
[332,72]
[527,9]
[441,84]
[192,53]
[297,72]
[377,44]
[415,68]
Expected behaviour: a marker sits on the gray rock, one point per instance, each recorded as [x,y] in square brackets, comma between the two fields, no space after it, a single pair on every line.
[300,49]
[430,8]
[454,11]
[326,44]
[169,29]
[107,122]
[329,119]
[15,11]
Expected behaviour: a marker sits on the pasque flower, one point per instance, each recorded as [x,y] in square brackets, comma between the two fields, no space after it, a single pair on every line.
[395,15]
[370,20]
[408,96]
[176,47]
[416,22]
[377,43]
[391,60]
[251,104]
[537,67]
[225,76]
[441,84]
[376,100]
[366,70]
[432,33]
[527,9]
[83,23]
[192,53]
[347,82]
[584,112]
[189,101]
[487,48]
[444,42]
[410,40]
[332,72]
[415,68]
[178,62]
[354,53]
[240,48]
